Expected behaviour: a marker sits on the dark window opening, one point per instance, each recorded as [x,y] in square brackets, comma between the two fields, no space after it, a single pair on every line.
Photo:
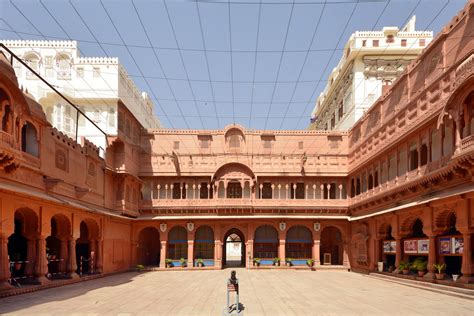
[299,192]
[371,182]
[234,190]
[424,155]
[267,190]
[176,190]
[413,159]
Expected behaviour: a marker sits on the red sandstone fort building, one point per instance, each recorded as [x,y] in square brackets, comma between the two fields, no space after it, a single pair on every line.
[397,186]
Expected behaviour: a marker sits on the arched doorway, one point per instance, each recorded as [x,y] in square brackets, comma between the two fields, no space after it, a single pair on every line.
[22,243]
[86,247]
[451,257]
[388,246]
[204,245]
[265,245]
[178,243]
[57,244]
[233,254]
[148,250]
[331,251]
[299,244]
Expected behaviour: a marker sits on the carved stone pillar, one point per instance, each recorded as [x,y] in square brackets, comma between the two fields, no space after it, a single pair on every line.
[72,263]
[377,252]
[345,255]
[467,268]
[190,253]
[260,191]
[99,256]
[163,253]
[4,263]
[431,257]
[457,134]
[63,255]
[41,262]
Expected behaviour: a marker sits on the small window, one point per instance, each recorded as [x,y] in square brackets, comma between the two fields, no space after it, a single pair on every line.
[267,190]
[422,42]
[390,39]
[176,145]
[96,72]
[300,145]
[404,42]
[340,111]
[375,43]
[80,72]
[364,43]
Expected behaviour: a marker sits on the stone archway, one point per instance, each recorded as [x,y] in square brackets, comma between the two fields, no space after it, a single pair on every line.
[149,246]
[266,242]
[87,250]
[299,244]
[233,253]
[57,252]
[331,251]
[22,248]
[178,243]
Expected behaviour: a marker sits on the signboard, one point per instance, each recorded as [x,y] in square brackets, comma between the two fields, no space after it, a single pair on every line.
[389,246]
[423,246]
[451,245]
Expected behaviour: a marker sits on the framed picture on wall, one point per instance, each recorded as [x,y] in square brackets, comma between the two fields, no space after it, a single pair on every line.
[458,245]
[386,246]
[423,246]
[393,246]
[410,246]
[445,246]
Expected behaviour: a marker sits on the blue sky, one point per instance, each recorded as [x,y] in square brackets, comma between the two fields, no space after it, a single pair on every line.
[210,63]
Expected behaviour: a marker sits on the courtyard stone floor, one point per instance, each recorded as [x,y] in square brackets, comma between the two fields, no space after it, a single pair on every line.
[263,292]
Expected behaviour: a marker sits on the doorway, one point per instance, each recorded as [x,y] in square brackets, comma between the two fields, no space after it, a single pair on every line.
[234,249]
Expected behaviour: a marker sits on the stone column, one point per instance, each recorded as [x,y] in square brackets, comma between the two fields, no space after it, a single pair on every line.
[431,258]
[163,253]
[41,263]
[30,256]
[316,252]
[72,263]
[345,255]
[260,191]
[218,254]
[190,253]
[282,248]
[249,253]
[98,257]
[273,191]
[398,252]
[467,268]
[4,264]
[377,248]
[63,255]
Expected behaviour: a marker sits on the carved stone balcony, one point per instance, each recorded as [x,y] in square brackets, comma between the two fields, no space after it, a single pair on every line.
[244,203]
[467,144]
[6,139]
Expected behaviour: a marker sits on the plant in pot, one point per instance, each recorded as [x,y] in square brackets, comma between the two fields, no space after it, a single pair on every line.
[256,262]
[168,263]
[439,267]
[288,262]
[183,262]
[200,263]
[276,261]
[16,261]
[310,262]
[404,267]
[140,267]
[420,266]
[391,268]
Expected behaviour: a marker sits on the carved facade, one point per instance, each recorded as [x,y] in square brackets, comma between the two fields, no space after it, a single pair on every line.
[395,187]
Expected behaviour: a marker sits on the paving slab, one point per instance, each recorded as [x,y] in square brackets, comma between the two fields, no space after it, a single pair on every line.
[263,292]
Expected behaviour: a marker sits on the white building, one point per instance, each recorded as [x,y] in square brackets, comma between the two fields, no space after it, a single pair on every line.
[371,61]
[100,86]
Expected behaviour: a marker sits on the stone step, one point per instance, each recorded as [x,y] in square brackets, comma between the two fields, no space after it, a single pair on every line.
[438,288]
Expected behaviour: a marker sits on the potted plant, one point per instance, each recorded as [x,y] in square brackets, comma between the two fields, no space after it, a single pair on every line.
[200,263]
[183,262]
[256,262]
[420,266]
[16,261]
[168,263]
[404,267]
[310,262]
[288,262]
[439,267]
[140,267]
[276,261]
[391,268]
